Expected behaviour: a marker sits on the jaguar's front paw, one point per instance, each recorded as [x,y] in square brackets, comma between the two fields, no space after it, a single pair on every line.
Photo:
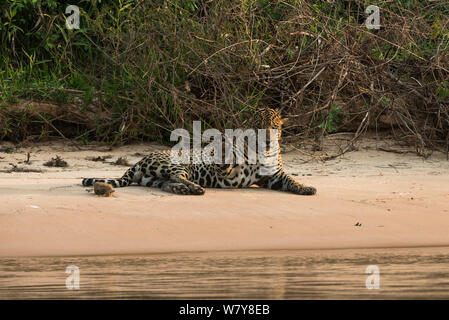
[305,191]
[176,188]
[197,190]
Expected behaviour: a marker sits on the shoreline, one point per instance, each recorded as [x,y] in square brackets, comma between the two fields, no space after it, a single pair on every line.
[400,200]
[229,252]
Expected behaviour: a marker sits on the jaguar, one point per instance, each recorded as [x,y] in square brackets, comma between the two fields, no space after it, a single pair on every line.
[158,170]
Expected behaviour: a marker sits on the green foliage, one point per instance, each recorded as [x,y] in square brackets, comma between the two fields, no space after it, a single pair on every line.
[443,90]
[331,121]
[154,65]
[385,100]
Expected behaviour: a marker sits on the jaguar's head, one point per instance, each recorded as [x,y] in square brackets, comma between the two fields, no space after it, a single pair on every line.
[267,118]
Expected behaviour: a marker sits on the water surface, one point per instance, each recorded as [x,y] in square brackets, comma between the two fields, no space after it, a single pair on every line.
[291,274]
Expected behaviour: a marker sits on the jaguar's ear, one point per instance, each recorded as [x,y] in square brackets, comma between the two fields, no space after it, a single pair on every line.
[284,120]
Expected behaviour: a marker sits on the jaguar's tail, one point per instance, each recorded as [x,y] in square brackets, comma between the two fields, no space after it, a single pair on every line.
[116,183]
[131,175]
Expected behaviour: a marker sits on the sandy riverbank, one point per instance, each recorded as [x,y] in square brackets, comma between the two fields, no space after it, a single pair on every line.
[400,200]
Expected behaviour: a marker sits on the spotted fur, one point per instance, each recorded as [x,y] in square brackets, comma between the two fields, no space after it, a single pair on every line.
[157,170]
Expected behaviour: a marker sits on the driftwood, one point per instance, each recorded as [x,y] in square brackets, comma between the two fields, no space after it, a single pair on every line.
[48,112]
[16,168]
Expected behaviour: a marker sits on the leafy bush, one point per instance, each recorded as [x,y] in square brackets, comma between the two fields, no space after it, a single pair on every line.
[142,68]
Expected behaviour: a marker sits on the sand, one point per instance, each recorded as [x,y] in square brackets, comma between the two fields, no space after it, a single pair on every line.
[366,199]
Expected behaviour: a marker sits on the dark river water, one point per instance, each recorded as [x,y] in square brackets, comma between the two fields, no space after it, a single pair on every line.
[410,273]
